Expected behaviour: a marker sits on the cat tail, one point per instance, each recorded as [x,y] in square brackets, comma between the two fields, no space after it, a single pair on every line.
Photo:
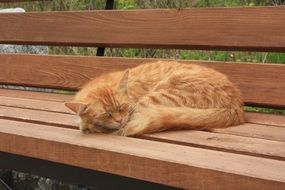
[173,118]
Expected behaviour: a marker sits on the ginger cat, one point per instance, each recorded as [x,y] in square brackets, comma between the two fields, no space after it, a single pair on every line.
[158,96]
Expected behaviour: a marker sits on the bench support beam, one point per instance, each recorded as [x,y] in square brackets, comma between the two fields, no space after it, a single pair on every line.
[74,175]
[109,6]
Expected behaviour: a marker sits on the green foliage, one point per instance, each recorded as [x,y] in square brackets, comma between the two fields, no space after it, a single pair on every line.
[264,110]
[57,5]
[234,3]
[276,57]
[126,4]
[253,57]
[130,52]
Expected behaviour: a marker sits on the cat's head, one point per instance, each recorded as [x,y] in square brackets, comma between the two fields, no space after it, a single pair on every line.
[109,111]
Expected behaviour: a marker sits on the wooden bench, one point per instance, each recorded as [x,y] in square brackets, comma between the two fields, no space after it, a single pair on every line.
[39,135]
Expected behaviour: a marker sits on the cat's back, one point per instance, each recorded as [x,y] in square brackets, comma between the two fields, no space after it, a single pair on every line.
[189,80]
[155,72]
[89,91]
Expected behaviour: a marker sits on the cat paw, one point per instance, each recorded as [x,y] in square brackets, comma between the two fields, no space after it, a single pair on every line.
[134,128]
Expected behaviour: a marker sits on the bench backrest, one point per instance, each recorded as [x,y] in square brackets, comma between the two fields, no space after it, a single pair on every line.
[246,29]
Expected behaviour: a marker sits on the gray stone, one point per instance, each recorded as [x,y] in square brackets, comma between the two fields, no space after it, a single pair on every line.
[7,48]
[22,181]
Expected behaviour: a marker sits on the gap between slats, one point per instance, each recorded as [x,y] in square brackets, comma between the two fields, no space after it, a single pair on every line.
[223,142]
[34,104]
[264,131]
[259,143]
[52,106]
[30,95]
[39,117]
[261,84]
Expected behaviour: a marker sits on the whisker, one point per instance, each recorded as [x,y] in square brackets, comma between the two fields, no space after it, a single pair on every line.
[132,109]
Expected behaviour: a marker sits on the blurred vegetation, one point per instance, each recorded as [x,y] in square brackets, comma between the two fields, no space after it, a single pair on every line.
[264,110]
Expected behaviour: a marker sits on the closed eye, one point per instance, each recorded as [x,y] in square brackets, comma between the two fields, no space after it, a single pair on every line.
[108,114]
[122,107]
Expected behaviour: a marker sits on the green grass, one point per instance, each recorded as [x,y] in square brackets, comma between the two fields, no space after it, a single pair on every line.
[264,110]
[253,57]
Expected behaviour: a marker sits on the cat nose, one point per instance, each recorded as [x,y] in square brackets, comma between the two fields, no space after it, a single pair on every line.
[118,118]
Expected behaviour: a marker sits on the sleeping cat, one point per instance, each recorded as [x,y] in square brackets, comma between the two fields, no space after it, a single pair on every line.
[158,96]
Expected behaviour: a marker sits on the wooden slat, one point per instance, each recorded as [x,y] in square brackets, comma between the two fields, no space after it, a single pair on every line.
[260,142]
[51,105]
[255,144]
[267,119]
[251,130]
[66,120]
[34,95]
[203,28]
[174,165]
[224,142]
[261,84]
[256,131]
[36,116]
[34,104]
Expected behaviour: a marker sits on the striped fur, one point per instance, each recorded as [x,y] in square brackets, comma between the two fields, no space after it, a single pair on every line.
[159,96]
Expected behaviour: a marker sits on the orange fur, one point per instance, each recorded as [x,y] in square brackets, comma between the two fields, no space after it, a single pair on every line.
[159,96]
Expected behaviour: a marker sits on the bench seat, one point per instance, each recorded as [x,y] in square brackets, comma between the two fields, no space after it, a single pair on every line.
[250,155]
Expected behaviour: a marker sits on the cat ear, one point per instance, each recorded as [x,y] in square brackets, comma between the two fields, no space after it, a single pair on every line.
[76,107]
[123,84]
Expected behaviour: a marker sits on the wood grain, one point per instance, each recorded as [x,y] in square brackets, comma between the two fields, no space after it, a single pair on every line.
[50,106]
[253,144]
[203,28]
[36,116]
[223,142]
[153,161]
[265,119]
[261,84]
[66,120]
[42,101]
[257,131]
[35,95]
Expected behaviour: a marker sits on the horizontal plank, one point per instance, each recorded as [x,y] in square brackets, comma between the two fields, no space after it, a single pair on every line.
[223,142]
[54,103]
[257,131]
[35,95]
[267,130]
[203,28]
[253,143]
[35,104]
[261,84]
[42,117]
[158,162]
[47,103]
[265,119]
